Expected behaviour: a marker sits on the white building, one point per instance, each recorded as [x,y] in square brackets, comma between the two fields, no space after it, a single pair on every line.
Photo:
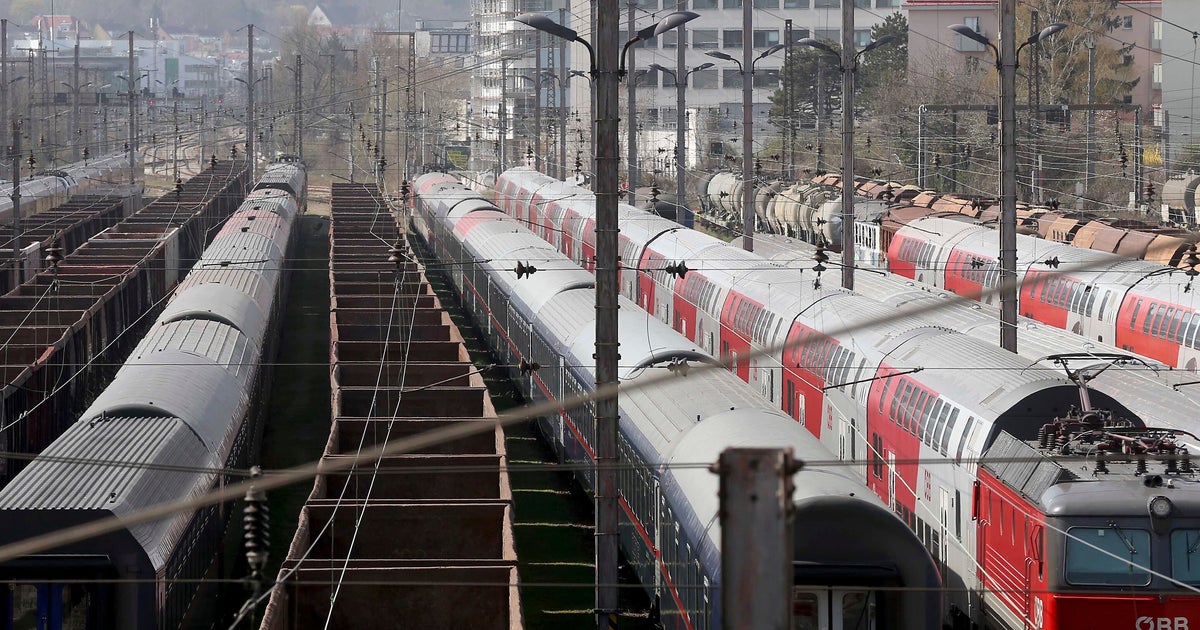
[714,97]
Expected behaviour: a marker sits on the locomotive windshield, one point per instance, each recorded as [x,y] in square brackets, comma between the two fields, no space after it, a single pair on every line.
[1185,555]
[1108,556]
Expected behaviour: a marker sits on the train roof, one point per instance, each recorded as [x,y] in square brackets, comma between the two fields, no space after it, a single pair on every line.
[1067,487]
[114,466]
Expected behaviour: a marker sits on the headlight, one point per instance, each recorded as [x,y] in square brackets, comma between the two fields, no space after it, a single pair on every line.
[1160,507]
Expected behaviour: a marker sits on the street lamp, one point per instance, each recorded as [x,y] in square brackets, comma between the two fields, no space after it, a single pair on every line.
[683,211]
[1006,65]
[75,131]
[849,66]
[747,75]
[607,67]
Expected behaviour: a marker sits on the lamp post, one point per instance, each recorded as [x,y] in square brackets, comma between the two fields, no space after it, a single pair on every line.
[607,68]
[747,75]
[849,66]
[681,74]
[75,131]
[1006,64]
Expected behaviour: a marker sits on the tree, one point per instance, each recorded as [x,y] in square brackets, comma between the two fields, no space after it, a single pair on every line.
[1063,59]
[804,70]
[886,66]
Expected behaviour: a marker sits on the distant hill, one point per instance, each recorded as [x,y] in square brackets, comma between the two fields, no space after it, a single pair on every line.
[213,17]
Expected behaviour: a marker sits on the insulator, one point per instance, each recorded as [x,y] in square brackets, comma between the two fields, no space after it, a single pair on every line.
[1172,463]
[1141,465]
[1101,462]
[1185,461]
[256,523]
[1043,433]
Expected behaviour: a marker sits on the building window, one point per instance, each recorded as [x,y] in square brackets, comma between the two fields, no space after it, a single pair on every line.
[704,79]
[651,5]
[1128,99]
[795,4]
[1157,76]
[766,4]
[832,35]
[647,78]
[766,38]
[884,4]
[731,4]
[1126,22]
[704,4]
[731,38]
[963,44]
[827,4]
[732,79]
[766,79]
[799,34]
[671,37]
[704,38]
[862,38]
[862,4]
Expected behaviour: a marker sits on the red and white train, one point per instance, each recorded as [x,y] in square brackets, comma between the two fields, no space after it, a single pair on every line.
[961,439]
[1139,306]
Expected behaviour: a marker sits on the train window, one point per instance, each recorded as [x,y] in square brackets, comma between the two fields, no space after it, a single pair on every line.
[1149,316]
[902,394]
[941,434]
[1108,556]
[1191,333]
[1162,323]
[1132,318]
[1172,334]
[1045,287]
[1185,543]
[1091,301]
[887,384]
[926,419]
[1104,303]
[962,440]
[930,425]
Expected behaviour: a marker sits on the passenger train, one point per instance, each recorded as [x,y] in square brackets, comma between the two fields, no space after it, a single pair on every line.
[50,188]
[185,405]
[933,420]
[874,574]
[1142,307]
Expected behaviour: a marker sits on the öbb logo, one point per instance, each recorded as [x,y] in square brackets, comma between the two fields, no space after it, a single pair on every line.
[1161,623]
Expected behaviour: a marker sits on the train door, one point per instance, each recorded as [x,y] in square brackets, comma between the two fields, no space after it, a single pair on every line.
[891,497]
[55,606]
[835,609]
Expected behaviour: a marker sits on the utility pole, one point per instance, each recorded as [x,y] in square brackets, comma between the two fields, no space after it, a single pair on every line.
[631,159]
[820,107]
[756,495]
[250,127]
[848,69]
[564,85]
[133,138]
[1091,117]
[1035,109]
[4,72]
[350,141]
[298,116]
[383,136]
[502,113]
[75,131]
[201,139]
[410,101]
[789,100]
[537,102]
[748,126]
[1008,175]
[607,288]
[175,148]
[16,200]
[683,212]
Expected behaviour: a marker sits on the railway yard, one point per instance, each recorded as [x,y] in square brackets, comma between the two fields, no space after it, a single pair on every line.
[280,355]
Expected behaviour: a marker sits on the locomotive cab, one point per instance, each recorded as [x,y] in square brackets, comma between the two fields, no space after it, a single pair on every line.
[1096,524]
